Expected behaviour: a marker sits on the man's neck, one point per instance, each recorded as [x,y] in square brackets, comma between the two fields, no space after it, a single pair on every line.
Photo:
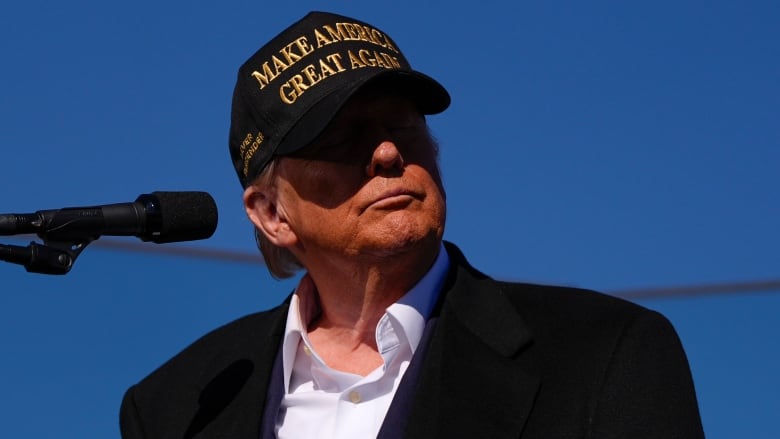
[354,296]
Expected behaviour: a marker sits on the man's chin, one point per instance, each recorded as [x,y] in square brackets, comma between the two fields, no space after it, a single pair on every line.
[403,245]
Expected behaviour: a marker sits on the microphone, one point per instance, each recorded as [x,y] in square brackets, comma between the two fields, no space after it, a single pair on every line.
[159,217]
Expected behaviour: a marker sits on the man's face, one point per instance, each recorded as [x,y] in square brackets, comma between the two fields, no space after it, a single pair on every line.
[369,185]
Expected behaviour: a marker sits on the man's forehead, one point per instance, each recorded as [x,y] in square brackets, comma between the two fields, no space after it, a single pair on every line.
[378,102]
[364,113]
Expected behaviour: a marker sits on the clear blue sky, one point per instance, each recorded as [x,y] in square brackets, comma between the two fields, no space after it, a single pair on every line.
[609,145]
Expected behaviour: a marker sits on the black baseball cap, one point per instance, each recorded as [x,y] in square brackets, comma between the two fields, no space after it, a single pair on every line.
[290,89]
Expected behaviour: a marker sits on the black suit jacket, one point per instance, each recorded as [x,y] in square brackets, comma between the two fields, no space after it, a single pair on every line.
[505,360]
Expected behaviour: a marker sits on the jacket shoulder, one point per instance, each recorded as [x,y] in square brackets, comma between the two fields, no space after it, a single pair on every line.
[549,302]
[227,367]
[232,339]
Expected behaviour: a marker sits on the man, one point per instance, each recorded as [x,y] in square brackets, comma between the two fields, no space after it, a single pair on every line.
[390,333]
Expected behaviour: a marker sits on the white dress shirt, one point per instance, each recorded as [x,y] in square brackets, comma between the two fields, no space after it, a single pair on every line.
[320,402]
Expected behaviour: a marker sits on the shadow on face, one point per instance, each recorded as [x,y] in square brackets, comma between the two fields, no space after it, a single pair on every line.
[378,134]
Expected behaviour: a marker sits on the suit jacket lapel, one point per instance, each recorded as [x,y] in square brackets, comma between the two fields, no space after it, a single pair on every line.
[471,384]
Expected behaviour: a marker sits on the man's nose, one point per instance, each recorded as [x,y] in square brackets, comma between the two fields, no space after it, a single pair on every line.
[385,159]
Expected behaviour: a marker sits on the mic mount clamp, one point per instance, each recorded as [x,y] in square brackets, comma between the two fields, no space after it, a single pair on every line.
[52,257]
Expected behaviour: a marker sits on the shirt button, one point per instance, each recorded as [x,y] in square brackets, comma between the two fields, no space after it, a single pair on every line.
[306,350]
[354,397]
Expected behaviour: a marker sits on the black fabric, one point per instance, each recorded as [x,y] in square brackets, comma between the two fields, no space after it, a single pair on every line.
[505,360]
[273,399]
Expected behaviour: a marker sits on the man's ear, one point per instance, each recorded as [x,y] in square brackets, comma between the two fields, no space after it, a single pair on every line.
[261,207]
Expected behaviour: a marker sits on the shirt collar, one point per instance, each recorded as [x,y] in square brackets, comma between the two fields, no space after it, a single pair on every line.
[408,315]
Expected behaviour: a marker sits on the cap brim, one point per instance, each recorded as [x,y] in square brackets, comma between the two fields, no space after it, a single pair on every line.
[430,97]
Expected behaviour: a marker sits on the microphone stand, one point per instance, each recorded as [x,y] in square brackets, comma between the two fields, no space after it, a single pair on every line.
[53,257]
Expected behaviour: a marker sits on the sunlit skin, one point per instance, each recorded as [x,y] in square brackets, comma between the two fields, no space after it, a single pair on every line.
[363,209]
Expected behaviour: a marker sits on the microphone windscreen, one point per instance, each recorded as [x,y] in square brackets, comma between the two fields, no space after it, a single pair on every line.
[185,216]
